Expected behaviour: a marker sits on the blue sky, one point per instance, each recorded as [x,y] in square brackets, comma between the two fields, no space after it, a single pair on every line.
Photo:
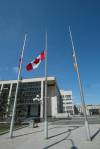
[34,17]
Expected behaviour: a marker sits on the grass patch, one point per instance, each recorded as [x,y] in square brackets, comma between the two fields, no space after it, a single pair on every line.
[5,127]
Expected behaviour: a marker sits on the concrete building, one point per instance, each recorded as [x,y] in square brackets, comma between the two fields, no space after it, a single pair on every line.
[30,89]
[68,106]
[93,109]
[90,109]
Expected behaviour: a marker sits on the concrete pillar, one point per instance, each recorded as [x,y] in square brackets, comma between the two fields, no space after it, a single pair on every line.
[41,103]
[54,106]
[1,88]
[9,96]
[99,111]
[73,109]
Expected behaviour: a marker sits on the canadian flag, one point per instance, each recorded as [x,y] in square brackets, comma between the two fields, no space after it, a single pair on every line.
[35,63]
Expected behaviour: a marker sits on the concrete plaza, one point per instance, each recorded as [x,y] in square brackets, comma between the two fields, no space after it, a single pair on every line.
[60,137]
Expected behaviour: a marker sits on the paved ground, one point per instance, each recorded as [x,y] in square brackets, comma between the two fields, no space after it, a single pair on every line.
[77,120]
[60,137]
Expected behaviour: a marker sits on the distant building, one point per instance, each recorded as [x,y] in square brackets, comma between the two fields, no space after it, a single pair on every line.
[30,89]
[79,109]
[68,106]
[90,109]
[93,109]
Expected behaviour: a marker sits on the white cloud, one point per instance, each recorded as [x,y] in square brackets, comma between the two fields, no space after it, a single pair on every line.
[15,69]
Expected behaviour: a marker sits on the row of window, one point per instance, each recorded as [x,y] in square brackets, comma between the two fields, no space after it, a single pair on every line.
[64,106]
[64,103]
[68,108]
[66,96]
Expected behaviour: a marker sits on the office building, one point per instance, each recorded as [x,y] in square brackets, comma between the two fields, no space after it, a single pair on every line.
[68,106]
[30,99]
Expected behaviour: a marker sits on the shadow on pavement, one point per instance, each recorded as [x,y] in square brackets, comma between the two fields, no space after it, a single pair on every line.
[72,142]
[34,132]
[75,127]
[94,135]
[74,147]
[57,142]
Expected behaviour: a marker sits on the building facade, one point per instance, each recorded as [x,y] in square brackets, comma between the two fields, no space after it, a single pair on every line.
[28,90]
[68,106]
[90,110]
[93,110]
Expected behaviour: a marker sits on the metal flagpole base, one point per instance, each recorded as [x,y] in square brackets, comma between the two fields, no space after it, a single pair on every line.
[46,129]
[87,130]
[11,128]
[10,135]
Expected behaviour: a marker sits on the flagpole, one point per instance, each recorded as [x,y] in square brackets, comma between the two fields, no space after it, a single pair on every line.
[81,89]
[46,112]
[16,93]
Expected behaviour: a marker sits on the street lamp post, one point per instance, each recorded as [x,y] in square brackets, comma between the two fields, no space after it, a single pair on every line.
[38,99]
